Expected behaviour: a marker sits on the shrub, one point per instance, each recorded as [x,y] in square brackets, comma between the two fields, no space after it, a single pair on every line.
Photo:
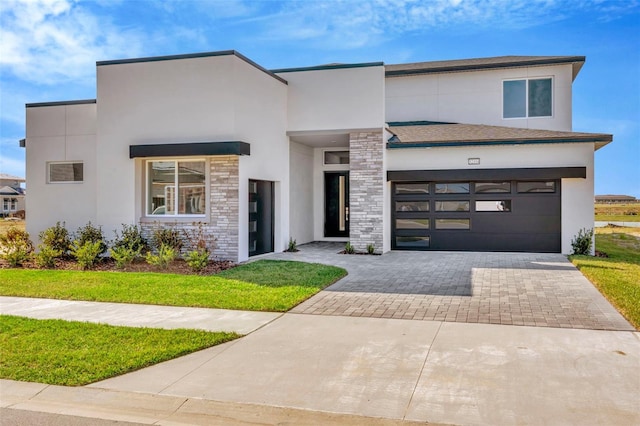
[91,234]
[165,255]
[348,249]
[46,256]
[124,255]
[197,259]
[15,246]
[57,238]
[293,246]
[371,249]
[131,238]
[167,237]
[86,253]
[581,243]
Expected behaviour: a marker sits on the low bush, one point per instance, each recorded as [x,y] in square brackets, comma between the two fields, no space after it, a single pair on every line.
[57,238]
[91,234]
[15,246]
[371,249]
[124,255]
[293,246]
[131,237]
[348,248]
[169,237]
[581,243]
[87,254]
[197,259]
[46,256]
[166,254]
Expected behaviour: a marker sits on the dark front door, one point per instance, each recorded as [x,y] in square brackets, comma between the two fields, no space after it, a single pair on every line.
[260,217]
[336,204]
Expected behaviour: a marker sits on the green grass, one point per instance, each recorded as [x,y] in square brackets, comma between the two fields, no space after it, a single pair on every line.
[617,218]
[616,276]
[75,353]
[265,285]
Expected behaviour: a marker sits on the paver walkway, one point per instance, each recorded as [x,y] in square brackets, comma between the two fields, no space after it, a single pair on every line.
[533,289]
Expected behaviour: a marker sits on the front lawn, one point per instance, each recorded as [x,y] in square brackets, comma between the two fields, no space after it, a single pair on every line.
[76,353]
[264,285]
[617,275]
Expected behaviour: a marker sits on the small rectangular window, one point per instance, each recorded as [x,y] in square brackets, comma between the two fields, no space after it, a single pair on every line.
[492,187]
[527,98]
[412,223]
[412,188]
[493,206]
[412,242]
[453,223]
[452,188]
[336,157]
[525,187]
[412,206]
[66,172]
[452,206]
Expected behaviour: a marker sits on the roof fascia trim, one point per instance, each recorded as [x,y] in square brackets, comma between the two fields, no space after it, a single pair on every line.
[60,103]
[512,64]
[399,145]
[329,67]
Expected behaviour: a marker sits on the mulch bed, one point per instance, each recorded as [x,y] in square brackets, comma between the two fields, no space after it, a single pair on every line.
[178,266]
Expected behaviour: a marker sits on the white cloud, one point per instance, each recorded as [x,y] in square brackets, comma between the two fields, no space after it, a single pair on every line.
[52,41]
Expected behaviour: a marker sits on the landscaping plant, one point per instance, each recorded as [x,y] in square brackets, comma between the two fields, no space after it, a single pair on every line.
[124,255]
[293,246]
[166,254]
[169,237]
[202,243]
[57,238]
[91,234]
[15,246]
[87,254]
[46,256]
[131,237]
[348,249]
[371,249]
[581,243]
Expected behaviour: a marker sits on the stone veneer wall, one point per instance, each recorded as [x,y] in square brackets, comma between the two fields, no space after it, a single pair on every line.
[366,185]
[223,215]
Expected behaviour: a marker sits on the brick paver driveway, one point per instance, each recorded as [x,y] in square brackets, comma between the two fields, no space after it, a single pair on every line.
[531,289]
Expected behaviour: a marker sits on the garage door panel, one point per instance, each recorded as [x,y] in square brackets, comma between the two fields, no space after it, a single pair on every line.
[515,224]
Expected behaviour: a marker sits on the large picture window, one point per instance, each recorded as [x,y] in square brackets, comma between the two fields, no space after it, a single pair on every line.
[527,98]
[176,188]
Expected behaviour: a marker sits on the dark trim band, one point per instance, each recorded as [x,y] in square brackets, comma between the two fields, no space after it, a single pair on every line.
[190,149]
[398,145]
[60,103]
[329,67]
[487,174]
[470,67]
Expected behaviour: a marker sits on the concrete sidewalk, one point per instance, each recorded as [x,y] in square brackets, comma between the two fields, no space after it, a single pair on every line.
[126,314]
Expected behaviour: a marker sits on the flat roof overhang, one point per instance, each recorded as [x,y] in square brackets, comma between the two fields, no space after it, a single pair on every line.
[457,175]
[190,149]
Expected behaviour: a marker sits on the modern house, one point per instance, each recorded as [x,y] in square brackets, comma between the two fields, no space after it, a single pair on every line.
[12,195]
[616,199]
[474,154]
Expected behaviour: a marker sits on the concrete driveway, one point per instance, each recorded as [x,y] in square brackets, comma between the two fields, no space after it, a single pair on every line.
[542,290]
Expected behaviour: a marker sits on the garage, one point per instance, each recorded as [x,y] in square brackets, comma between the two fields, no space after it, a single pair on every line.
[517,210]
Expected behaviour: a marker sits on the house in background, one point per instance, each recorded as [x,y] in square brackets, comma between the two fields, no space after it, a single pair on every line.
[12,195]
[616,199]
[474,154]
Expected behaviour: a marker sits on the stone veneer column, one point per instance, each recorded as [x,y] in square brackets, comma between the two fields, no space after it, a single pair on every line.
[224,214]
[366,186]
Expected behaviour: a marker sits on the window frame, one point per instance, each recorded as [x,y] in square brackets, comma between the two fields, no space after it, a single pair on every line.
[148,192]
[526,97]
[63,182]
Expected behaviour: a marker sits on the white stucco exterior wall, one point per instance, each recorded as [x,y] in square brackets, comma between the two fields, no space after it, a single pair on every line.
[301,208]
[60,133]
[335,99]
[475,97]
[576,195]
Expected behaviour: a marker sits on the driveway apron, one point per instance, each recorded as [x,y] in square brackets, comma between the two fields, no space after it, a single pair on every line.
[532,289]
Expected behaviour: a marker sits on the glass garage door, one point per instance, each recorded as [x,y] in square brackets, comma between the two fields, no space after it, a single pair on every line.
[519,216]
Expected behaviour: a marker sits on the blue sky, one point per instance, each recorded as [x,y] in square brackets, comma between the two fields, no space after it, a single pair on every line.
[48,50]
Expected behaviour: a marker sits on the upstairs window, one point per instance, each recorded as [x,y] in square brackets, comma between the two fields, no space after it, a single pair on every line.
[65,172]
[527,98]
[176,188]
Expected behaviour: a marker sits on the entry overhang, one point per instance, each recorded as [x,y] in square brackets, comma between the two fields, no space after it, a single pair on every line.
[487,174]
[190,149]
